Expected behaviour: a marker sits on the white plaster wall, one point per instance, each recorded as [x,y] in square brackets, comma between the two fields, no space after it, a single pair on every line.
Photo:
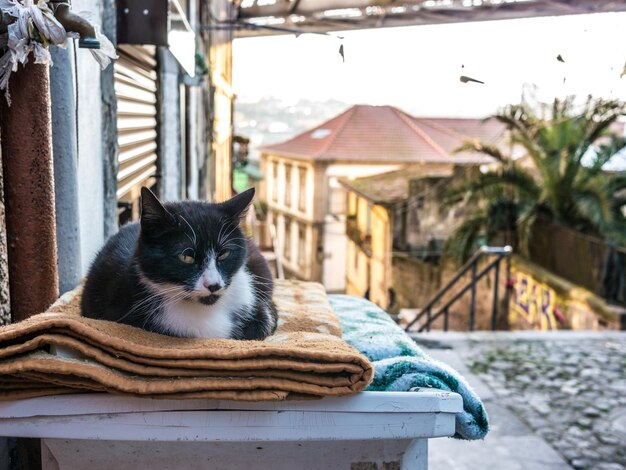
[335,247]
[90,168]
[359,170]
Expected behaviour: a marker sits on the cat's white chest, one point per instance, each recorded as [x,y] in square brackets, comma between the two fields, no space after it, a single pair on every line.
[193,319]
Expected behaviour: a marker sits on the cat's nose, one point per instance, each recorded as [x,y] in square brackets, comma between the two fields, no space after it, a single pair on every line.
[212,287]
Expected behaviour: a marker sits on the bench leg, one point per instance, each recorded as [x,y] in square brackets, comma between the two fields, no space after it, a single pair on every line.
[416,455]
[48,460]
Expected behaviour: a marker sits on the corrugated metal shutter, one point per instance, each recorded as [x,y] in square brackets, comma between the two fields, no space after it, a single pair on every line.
[135,89]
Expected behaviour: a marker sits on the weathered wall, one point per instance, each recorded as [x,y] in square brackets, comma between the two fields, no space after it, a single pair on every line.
[538,299]
[415,282]
[5,312]
[543,300]
[427,218]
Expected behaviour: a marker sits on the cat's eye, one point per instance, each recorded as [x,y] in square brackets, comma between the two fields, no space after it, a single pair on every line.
[187,259]
[223,255]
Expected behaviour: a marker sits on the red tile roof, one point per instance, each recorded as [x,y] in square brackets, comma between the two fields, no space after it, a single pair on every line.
[386,134]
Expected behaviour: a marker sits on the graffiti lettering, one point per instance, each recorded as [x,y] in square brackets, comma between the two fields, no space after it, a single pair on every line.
[533,303]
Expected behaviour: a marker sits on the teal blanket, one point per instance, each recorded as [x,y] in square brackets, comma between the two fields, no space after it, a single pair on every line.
[401,365]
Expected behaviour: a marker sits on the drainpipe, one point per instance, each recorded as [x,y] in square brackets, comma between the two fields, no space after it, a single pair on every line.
[29,192]
[65,167]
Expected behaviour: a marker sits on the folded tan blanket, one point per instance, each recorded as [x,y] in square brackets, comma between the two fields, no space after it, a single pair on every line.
[59,351]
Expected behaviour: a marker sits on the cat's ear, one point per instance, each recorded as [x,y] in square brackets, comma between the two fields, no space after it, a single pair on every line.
[237,206]
[155,219]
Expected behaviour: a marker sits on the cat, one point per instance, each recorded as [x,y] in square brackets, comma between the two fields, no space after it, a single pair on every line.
[185,269]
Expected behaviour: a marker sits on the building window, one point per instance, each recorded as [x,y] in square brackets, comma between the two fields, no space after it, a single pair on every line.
[301,245]
[302,189]
[288,185]
[274,181]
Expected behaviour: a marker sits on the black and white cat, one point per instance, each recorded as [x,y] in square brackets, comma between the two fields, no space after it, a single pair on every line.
[185,270]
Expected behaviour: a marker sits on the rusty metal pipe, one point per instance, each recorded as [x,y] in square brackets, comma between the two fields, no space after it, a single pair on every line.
[76,24]
[29,192]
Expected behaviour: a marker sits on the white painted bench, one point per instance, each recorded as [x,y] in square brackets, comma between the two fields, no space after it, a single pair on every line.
[102,431]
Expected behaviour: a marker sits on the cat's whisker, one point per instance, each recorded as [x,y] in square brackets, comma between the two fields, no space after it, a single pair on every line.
[260,292]
[165,303]
[219,234]
[195,238]
[150,299]
[231,246]
[138,306]
[262,295]
[236,226]
[262,282]
[239,238]
[236,240]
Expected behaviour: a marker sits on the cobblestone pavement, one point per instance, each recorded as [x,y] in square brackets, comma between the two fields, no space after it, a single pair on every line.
[570,391]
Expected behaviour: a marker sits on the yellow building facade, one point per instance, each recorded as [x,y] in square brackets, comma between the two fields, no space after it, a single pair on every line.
[369,250]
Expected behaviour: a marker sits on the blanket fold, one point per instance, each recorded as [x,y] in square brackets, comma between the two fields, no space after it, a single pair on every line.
[60,351]
[401,365]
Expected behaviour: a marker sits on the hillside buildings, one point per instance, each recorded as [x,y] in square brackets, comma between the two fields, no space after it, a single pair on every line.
[307,204]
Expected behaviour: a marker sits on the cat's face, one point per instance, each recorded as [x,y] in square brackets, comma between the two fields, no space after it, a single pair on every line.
[191,250]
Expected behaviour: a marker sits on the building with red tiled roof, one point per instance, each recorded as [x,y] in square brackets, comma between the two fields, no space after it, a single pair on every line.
[384,133]
[305,201]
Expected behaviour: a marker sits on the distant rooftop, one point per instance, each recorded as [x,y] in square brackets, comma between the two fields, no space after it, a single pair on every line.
[384,134]
[393,186]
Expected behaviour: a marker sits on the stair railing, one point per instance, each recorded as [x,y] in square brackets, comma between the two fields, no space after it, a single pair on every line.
[429,313]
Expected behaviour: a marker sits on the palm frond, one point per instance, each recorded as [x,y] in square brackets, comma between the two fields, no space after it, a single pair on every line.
[511,178]
[525,225]
[605,152]
[593,206]
[616,184]
[486,149]
[556,138]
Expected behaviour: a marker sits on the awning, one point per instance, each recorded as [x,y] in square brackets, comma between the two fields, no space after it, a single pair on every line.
[262,17]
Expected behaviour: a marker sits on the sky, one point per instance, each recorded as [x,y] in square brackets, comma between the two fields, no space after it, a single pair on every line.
[418,68]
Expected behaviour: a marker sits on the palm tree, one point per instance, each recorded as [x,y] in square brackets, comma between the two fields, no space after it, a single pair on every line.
[565,183]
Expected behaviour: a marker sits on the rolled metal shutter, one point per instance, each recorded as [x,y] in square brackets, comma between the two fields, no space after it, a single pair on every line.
[135,89]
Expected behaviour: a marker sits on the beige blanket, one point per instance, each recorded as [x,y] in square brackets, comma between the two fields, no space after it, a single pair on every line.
[59,351]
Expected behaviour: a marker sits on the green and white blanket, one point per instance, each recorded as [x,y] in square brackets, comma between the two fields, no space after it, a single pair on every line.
[401,365]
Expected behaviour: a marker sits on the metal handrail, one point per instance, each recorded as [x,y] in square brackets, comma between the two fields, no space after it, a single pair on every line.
[471,264]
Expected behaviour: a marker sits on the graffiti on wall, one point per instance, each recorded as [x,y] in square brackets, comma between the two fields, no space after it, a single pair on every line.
[533,304]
